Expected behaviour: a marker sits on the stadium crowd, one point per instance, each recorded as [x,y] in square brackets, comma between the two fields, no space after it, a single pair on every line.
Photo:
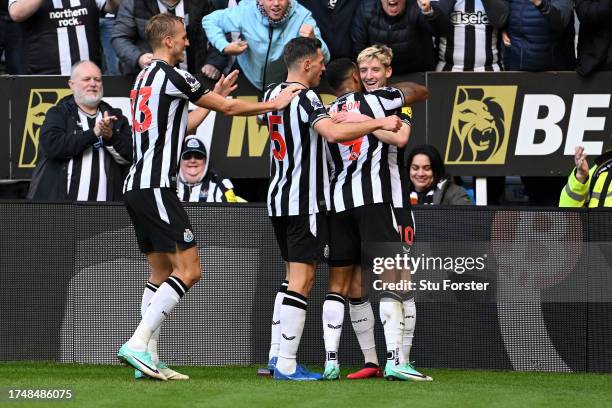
[46,37]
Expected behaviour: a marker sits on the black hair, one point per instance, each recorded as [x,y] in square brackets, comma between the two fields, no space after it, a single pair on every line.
[300,48]
[338,71]
[437,165]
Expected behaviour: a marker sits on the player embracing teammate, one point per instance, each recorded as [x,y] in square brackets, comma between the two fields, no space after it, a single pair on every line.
[369,204]
[298,194]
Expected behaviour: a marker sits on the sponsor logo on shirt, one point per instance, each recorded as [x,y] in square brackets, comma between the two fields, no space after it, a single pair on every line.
[68,17]
[463,18]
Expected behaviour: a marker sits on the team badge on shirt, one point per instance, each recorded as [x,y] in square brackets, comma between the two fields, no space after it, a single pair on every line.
[188,235]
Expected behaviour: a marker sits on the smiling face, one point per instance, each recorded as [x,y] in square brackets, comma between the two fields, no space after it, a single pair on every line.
[192,167]
[373,74]
[275,9]
[86,84]
[394,8]
[421,173]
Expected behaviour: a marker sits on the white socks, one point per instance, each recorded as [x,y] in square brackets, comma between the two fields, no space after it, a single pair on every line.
[292,319]
[408,329]
[276,329]
[148,293]
[333,317]
[362,319]
[161,304]
[392,318]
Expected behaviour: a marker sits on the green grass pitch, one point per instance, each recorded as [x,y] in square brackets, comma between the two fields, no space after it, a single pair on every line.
[233,387]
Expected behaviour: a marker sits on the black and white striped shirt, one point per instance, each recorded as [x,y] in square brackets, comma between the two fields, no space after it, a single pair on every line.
[87,173]
[61,33]
[366,170]
[212,189]
[473,43]
[159,101]
[299,182]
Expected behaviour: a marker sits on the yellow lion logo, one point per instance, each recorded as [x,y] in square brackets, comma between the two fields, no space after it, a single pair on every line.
[41,100]
[480,125]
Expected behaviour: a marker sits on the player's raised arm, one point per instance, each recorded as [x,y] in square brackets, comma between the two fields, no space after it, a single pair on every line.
[342,132]
[413,92]
[232,107]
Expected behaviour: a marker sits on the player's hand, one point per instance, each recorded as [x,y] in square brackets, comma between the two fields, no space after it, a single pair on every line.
[424,5]
[506,39]
[392,123]
[285,96]
[145,60]
[344,117]
[536,2]
[235,47]
[306,30]
[210,71]
[227,84]
[582,166]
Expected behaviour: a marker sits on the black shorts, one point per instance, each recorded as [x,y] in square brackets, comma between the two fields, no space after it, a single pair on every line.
[301,238]
[160,222]
[368,223]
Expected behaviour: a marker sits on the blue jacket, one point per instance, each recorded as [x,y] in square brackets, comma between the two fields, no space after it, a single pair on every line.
[263,39]
[542,38]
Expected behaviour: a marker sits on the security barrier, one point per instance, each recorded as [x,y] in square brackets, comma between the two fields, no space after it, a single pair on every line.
[71,278]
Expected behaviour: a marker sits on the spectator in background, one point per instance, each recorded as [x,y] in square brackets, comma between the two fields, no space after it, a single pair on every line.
[11,44]
[197,182]
[595,36]
[85,145]
[132,47]
[334,18]
[429,183]
[57,36]
[406,26]
[265,26]
[474,41]
[585,187]
[540,36]
[211,71]
[110,65]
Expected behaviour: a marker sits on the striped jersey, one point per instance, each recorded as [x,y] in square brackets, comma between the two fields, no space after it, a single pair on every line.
[212,189]
[159,102]
[367,170]
[87,173]
[299,181]
[472,44]
[61,33]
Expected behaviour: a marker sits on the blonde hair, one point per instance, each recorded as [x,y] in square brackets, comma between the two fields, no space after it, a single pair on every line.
[381,52]
[161,26]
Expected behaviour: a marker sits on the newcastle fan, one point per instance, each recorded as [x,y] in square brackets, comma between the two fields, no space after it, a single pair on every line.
[474,40]
[59,33]
[197,182]
[85,144]
[369,197]
[159,103]
[298,191]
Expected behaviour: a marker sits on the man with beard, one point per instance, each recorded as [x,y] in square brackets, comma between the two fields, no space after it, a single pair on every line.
[84,144]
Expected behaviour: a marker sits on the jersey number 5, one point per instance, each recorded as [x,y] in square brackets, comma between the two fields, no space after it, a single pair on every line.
[276,138]
[144,93]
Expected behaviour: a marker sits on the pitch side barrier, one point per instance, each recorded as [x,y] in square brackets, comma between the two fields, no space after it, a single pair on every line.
[71,280]
[484,124]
